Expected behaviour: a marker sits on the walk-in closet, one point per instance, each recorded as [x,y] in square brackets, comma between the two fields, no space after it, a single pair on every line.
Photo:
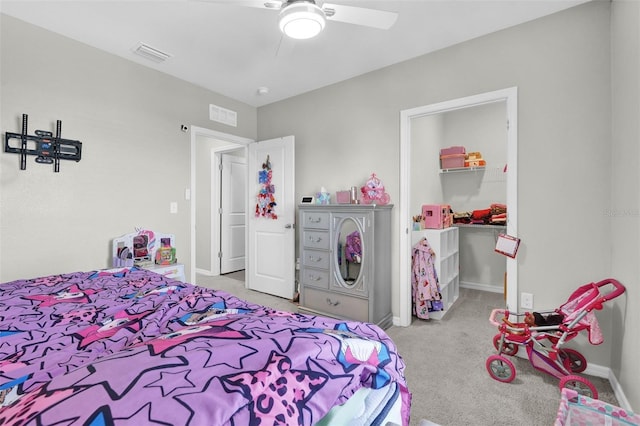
[480,125]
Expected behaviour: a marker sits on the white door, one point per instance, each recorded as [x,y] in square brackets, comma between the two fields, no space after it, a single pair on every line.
[271,233]
[233,213]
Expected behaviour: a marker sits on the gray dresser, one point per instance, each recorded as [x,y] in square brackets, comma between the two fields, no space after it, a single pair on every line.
[345,262]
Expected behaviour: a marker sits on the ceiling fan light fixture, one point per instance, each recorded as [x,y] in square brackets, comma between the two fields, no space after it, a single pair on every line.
[302,20]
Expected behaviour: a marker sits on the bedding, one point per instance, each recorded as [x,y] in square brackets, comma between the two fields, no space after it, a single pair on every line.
[130,346]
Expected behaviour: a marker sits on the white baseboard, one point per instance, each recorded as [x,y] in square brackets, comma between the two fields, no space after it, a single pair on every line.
[598,371]
[483,287]
[619,393]
[607,373]
[205,272]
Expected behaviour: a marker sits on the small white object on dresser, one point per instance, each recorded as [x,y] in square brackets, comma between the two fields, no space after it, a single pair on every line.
[345,262]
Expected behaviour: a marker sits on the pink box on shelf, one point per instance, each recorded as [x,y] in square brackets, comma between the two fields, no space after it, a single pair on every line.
[343,197]
[452,161]
[436,216]
[452,150]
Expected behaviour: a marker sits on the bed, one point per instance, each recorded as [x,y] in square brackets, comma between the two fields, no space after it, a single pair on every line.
[129,346]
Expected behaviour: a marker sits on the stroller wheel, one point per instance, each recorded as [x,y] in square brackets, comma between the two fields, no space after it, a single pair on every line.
[579,384]
[501,368]
[508,348]
[573,360]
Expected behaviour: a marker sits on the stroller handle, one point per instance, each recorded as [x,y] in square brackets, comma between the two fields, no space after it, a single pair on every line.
[495,313]
[617,291]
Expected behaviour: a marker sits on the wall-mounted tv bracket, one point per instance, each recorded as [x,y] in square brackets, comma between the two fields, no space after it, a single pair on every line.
[49,149]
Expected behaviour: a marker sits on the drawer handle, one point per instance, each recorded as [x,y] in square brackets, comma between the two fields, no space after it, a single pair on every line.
[317,220]
[315,259]
[330,303]
[314,277]
[315,240]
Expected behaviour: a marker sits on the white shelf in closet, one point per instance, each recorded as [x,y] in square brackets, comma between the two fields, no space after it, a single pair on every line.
[462,169]
[470,225]
[444,243]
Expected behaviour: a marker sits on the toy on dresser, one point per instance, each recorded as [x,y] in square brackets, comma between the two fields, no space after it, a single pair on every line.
[373,191]
[166,255]
[141,248]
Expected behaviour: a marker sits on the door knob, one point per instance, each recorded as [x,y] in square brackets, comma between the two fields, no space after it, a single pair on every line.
[288,226]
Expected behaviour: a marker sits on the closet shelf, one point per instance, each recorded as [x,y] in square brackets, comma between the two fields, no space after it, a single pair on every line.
[462,169]
[470,225]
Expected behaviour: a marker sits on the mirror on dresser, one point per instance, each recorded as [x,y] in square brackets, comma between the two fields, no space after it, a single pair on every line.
[349,251]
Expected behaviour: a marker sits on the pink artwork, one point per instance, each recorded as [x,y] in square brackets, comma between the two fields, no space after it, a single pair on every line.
[266,200]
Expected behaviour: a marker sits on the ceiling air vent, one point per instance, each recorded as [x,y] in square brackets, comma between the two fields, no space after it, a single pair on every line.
[223,115]
[150,53]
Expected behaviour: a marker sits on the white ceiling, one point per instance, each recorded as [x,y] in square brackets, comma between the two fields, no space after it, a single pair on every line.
[234,50]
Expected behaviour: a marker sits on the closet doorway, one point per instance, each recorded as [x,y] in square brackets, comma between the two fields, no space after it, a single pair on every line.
[208,147]
[409,120]
[229,210]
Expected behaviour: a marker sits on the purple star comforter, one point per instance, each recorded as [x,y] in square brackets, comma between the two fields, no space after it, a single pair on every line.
[134,347]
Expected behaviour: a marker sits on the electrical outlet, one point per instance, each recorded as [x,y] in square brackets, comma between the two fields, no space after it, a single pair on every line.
[526,300]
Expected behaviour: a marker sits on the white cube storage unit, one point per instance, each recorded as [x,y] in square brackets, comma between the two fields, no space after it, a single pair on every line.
[444,243]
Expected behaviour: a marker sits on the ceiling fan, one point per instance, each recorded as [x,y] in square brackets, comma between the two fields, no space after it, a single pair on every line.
[302,19]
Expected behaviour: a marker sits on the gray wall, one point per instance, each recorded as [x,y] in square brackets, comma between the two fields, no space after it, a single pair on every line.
[561,66]
[135,159]
[623,210]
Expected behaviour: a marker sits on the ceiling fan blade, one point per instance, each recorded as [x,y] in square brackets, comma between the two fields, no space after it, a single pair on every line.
[261,4]
[360,16]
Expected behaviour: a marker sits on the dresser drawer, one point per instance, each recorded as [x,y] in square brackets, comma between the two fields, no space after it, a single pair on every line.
[315,239]
[317,220]
[315,277]
[174,271]
[336,304]
[316,258]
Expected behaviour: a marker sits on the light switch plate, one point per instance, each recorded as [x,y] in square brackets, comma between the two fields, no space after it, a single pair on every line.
[526,300]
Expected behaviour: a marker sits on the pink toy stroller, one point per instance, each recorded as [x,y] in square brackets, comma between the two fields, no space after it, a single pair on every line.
[543,334]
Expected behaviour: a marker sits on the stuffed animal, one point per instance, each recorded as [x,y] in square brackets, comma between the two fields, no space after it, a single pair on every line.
[536,319]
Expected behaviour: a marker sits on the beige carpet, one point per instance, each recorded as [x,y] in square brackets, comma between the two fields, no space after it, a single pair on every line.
[446,365]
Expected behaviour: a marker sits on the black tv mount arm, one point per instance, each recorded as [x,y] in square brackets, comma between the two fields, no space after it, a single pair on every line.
[48,148]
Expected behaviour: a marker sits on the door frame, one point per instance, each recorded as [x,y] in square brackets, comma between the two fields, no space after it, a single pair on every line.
[510,96]
[197,132]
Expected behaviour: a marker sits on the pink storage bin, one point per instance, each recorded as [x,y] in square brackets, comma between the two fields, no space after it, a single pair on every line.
[452,150]
[343,197]
[437,216]
[451,161]
[432,216]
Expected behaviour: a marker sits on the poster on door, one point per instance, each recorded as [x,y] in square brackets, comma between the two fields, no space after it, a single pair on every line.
[266,199]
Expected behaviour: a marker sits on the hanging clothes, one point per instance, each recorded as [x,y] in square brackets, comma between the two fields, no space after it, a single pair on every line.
[425,287]
[353,248]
